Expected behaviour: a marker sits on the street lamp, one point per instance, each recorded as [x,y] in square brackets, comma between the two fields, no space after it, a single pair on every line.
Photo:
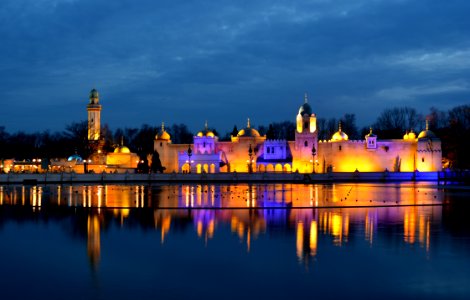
[190,153]
[250,155]
[314,152]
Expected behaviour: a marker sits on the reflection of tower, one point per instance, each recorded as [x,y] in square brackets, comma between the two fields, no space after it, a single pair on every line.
[94,116]
[307,230]
[93,240]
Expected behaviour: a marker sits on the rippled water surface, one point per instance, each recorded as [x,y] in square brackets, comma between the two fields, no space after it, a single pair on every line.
[273,241]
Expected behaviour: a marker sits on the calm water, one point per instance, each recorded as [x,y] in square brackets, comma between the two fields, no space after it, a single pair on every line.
[275,241]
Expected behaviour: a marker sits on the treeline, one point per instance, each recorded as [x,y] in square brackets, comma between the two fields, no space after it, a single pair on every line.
[452,127]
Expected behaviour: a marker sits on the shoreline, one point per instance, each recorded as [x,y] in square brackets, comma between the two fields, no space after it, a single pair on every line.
[45,178]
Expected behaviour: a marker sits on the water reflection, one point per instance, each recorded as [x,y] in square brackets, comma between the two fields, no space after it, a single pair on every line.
[222,196]
[329,212]
[241,230]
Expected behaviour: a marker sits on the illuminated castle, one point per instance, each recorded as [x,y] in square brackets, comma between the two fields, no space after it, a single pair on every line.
[248,151]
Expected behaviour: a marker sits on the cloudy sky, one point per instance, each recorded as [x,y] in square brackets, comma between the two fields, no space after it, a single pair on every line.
[223,61]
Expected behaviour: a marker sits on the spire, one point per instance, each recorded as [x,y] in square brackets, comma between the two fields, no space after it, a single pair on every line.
[248,123]
[205,126]
[370,130]
[339,127]
[305,97]
[163,126]
[427,124]
[122,140]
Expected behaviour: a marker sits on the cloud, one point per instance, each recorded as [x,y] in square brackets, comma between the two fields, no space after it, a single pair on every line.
[224,60]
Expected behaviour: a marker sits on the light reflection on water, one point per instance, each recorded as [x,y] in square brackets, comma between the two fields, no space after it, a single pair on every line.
[223,196]
[313,222]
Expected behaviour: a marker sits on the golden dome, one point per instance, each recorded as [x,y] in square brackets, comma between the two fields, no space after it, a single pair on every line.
[122,149]
[163,135]
[339,135]
[206,132]
[409,135]
[248,131]
[427,134]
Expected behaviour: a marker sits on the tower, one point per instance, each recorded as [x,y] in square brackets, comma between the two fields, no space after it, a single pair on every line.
[306,139]
[94,116]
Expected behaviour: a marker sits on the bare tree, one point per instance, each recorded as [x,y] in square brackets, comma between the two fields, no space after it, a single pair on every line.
[394,122]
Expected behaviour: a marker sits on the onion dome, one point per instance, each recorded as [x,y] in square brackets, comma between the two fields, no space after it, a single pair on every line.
[339,135]
[163,135]
[205,132]
[94,94]
[370,134]
[305,108]
[248,131]
[75,157]
[427,134]
[410,135]
[121,148]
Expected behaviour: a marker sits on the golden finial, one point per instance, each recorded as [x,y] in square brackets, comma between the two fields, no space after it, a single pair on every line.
[305,97]
[122,140]
[206,126]
[339,127]
[427,124]
[163,126]
[248,123]
[370,130]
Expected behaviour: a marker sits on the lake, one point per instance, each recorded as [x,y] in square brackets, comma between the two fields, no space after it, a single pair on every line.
[219,241]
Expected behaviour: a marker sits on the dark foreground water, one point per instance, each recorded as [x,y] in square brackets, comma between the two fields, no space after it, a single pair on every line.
[276,241]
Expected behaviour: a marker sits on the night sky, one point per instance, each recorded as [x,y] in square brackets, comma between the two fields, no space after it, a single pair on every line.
[223,61]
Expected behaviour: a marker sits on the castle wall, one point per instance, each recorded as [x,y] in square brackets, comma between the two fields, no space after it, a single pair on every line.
[236,153]
[349,156]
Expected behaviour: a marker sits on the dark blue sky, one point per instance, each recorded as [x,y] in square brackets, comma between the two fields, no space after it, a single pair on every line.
[224,61]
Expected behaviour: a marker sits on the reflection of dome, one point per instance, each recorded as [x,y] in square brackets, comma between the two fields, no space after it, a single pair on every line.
[248,131]
[305,108]
[339,135]
[163,135]
[206,132]
[122,149]
[94,94]
[75,157]
[427,134]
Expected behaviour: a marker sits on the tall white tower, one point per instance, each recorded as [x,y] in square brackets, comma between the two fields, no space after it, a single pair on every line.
[94,116]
